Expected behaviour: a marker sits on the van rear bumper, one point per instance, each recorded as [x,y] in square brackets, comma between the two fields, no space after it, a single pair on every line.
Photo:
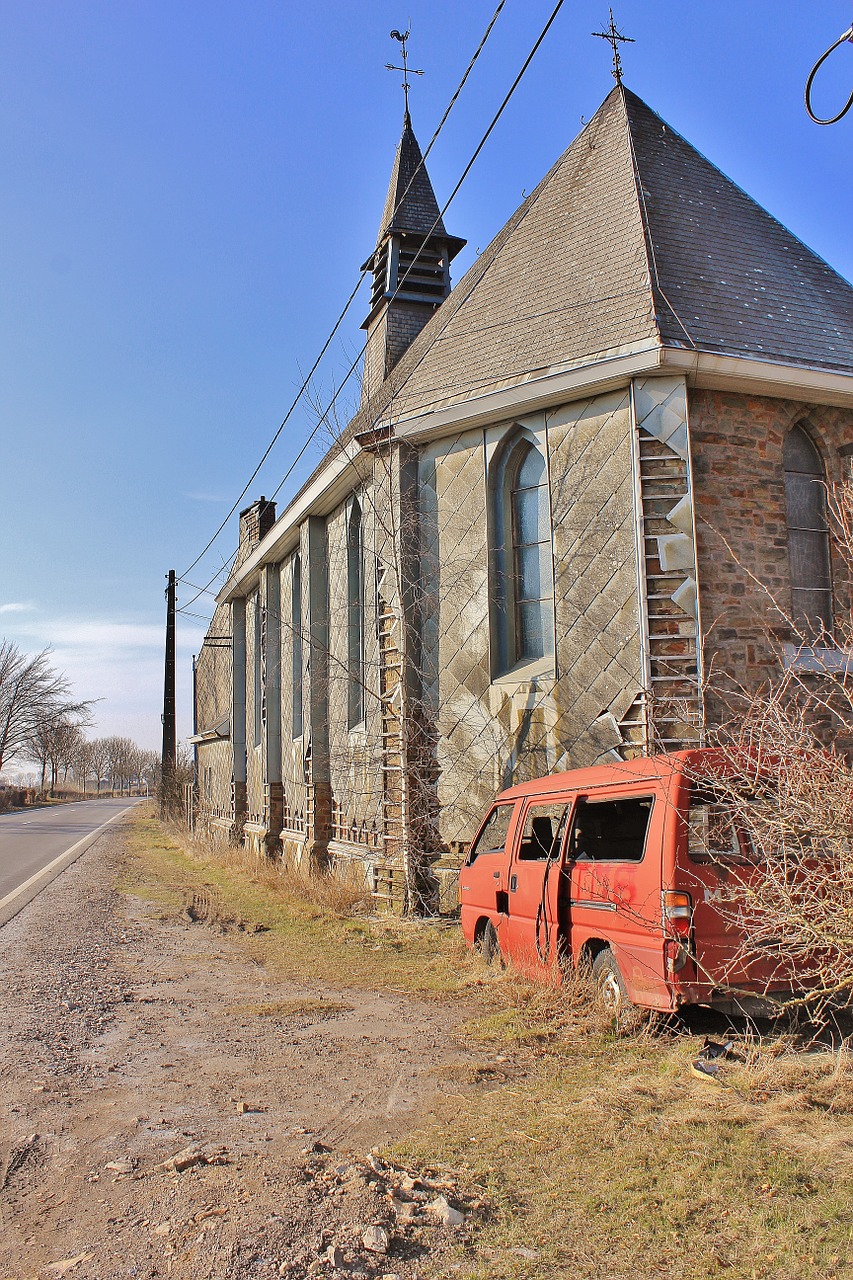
[746,1004]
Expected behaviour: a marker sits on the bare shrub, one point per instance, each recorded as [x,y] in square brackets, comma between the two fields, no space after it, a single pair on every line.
[784,780]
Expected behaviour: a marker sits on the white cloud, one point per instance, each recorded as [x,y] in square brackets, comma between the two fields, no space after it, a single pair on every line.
[119,663]
[16,606]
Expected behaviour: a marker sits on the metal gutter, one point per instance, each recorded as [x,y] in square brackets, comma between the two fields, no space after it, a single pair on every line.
[712,372]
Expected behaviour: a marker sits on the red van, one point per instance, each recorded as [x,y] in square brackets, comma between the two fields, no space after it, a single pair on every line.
[624,867]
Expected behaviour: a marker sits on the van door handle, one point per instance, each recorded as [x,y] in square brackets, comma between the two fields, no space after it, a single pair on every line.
[513,884]
[496,874]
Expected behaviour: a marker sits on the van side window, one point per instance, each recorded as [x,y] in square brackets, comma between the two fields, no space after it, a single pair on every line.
[711,833]
[610,830]
[543,831]
[492,838]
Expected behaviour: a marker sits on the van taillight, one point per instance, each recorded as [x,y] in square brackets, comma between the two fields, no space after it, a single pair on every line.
[677,910]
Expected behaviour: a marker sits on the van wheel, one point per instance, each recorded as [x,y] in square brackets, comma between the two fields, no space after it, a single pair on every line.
[490,948]
[611,991]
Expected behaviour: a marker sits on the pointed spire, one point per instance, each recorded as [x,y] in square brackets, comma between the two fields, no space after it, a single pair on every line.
[410,264]
[410,205]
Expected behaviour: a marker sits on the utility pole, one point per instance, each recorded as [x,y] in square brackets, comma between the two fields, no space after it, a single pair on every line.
[168,760]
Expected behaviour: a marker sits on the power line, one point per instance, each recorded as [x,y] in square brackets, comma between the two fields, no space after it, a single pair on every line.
[352,368]
[441,214]
[343,313]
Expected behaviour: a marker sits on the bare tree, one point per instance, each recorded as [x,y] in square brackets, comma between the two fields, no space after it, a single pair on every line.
[54,744]
[32,694]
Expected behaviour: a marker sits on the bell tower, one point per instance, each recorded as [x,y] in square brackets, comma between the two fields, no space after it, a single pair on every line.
[410,266]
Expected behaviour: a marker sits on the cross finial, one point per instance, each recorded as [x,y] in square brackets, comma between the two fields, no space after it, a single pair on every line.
[403,37]
[614,38]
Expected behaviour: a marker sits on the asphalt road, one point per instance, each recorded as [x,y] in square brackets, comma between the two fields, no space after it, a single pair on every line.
[36,843]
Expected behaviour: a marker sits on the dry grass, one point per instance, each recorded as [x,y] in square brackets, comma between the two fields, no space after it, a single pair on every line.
[298,1007]
[598,1154]
[315,930]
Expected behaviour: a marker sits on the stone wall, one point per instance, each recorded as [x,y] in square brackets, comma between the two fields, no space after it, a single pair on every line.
[562,712]
[744,575]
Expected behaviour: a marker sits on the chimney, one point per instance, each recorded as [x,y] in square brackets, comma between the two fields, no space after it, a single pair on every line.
[255,523]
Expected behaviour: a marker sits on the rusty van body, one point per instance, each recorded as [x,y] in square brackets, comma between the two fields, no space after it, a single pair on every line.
[631,867]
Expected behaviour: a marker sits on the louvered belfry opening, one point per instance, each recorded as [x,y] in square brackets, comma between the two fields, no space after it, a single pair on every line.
[410,266]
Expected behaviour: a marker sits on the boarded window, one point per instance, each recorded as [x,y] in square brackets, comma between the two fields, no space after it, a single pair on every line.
[808,537]
[531,557]
[522,618]
[296,644]
[610,830]
[355,618]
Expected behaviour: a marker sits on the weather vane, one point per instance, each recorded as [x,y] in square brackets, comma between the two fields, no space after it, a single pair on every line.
[403,37]
[614,37]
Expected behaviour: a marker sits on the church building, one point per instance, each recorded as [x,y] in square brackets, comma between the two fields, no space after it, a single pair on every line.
[582,485]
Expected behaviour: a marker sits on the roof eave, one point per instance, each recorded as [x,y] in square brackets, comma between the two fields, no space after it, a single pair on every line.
[543,390]
[751,375]
[319,497]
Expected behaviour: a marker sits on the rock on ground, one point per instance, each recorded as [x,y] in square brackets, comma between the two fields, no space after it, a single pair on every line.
[153,1126]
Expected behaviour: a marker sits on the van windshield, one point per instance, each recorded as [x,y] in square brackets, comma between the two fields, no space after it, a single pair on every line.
[492,839]
[712,835]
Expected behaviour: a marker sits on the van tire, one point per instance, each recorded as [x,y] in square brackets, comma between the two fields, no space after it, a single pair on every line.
[611,991]
[490,947]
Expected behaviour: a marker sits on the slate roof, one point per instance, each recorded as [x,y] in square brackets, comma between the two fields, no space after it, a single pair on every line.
[736,280]
[410,205]
[633,238]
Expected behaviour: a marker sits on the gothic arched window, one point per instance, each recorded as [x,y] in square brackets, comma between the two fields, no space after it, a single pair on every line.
[355,617]
[523,596]
[808,537]
[296,643]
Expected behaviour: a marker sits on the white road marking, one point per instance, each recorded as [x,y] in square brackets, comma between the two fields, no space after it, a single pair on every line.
[45,871]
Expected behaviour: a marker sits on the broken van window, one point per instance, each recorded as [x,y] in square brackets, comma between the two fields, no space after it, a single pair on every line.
[711,832]
[492,839]
[543,831]
[610,830]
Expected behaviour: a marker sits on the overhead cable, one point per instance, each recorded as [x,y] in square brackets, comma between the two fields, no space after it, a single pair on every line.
[846,36]
[348,304]
[401,283]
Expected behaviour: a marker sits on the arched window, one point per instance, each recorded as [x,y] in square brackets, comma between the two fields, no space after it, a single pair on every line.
[355,618]
[296,643]
[523,596]
[808,537]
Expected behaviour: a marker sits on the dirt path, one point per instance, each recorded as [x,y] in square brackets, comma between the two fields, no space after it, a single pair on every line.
[126,1039]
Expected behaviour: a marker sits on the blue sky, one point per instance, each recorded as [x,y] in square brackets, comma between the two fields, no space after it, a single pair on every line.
[187,191]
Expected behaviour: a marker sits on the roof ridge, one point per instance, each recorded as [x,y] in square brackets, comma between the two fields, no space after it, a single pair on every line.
[642,207]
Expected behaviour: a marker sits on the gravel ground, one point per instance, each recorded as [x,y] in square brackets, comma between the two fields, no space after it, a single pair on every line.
[170,1110]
